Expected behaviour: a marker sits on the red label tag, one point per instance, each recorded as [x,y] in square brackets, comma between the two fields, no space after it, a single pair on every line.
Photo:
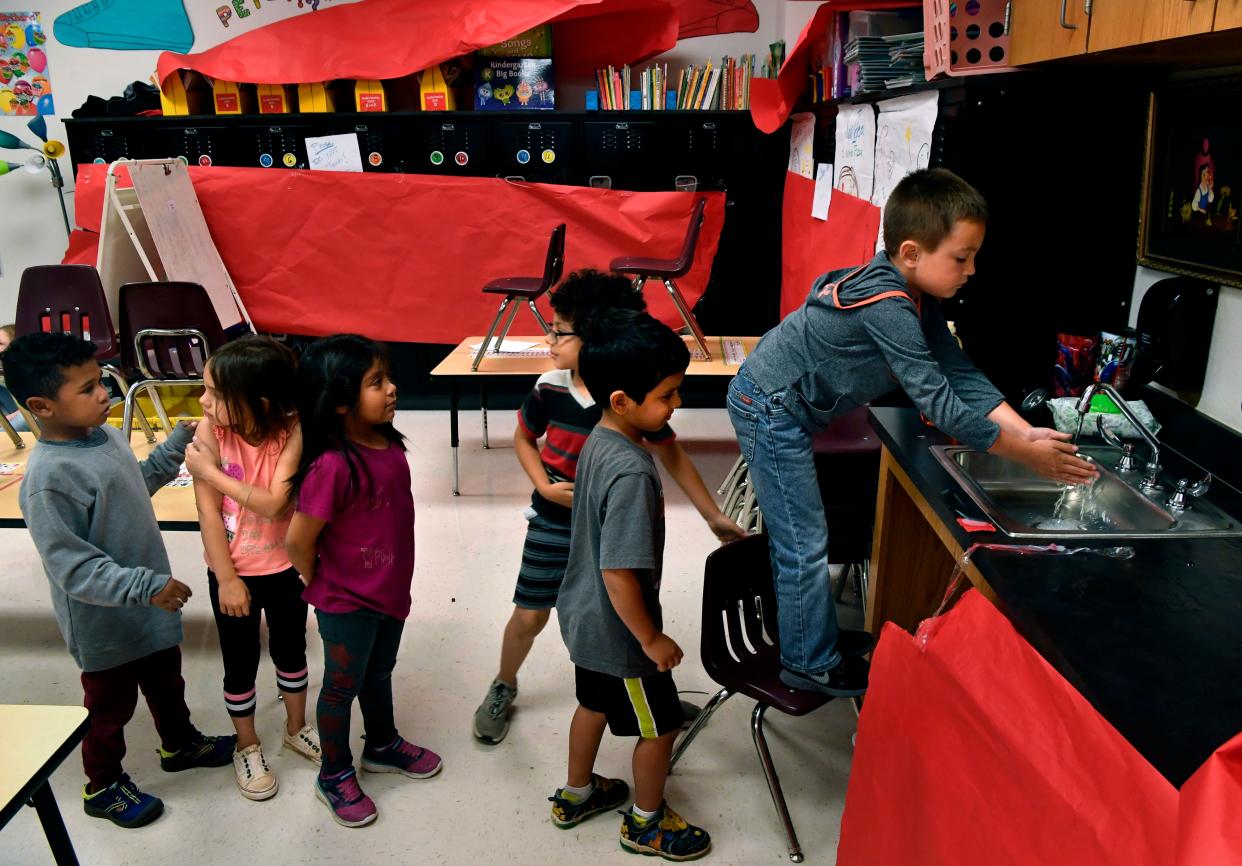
[370,102]
[226,103]
[271,104]
[434,102]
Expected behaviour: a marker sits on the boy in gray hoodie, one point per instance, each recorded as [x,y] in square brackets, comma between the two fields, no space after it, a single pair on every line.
[87,503]
[862,332]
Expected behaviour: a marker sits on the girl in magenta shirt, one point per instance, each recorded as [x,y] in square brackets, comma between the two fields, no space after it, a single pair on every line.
[352,540]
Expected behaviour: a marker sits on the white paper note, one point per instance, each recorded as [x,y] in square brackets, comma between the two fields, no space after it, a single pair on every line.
[507,347]
[334,153]
[802,145]
[823,191]
[855,150]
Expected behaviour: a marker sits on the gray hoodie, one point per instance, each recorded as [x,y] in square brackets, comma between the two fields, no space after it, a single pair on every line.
[87,504]
[833,359]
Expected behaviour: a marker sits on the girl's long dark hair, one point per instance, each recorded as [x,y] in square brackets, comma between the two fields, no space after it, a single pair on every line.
[330,377]
[256,377]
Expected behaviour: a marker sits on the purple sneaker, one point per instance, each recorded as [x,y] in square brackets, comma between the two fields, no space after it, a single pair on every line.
[350,807]
[402,757]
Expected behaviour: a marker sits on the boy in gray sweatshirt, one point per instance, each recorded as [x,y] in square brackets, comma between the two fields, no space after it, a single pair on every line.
[862,332]
[87,503]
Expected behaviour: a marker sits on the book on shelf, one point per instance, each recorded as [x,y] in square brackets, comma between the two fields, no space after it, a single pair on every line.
[724,86]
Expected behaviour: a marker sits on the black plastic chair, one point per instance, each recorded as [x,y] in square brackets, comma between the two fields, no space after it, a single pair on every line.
[667,270]
[741,652]
[168,330]
[528,289]
[70,299]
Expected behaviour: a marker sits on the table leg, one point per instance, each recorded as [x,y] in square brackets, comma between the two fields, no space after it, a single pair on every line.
[454,395]
[483,407]
[53,826]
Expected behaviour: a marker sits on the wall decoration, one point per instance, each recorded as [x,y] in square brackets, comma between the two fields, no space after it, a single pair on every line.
[903,139]
[230,13]
[25,83]
[1192,182]
[126,25]
[855,151]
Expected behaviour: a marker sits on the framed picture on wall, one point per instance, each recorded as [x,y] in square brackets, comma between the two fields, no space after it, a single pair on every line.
[1192,181]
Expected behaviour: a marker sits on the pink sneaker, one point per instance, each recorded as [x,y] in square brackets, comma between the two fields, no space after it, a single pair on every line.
[402,757]
[350,807]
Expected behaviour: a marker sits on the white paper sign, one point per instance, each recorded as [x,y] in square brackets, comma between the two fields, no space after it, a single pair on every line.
[903,142]
[334,153]
[823,191]
[855,150]
[802,146]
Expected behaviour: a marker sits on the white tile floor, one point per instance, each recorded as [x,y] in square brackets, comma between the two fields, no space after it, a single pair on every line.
[488,806]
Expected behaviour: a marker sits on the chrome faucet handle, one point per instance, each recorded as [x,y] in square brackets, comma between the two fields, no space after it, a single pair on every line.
[1127,463]
[1179,499]
[1151,478]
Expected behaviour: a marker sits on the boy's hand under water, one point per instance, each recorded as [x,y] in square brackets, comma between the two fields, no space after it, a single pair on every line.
[1058,459]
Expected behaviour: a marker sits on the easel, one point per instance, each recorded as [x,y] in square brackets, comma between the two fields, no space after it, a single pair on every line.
[154,231]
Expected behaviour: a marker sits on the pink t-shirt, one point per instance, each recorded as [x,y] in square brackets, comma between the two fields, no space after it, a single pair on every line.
[366,550]
[256,543]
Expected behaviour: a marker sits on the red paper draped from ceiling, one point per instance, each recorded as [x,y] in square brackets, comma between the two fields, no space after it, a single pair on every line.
[393,38]
[973,750]
[709,17]
[404,257]
[810,247]
[772,100]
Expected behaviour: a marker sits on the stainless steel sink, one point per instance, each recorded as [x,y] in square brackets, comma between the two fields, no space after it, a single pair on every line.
[1026,505]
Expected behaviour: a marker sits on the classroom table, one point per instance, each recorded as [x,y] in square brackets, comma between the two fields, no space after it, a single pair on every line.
[727,356]
[36,740]
[174,504]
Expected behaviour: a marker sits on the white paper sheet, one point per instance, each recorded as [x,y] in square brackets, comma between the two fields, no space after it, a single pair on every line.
[823,191]
[334,152]
[903,141]
[802,146]
[855,154]
[506,347]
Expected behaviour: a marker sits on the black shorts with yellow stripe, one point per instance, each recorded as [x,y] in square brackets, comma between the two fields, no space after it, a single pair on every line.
[646,707]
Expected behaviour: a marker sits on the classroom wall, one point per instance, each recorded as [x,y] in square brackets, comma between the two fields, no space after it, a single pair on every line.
[1221,398]
[31,229]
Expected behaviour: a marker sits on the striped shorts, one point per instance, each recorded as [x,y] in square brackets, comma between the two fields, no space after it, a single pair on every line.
[646,707]
[544,557]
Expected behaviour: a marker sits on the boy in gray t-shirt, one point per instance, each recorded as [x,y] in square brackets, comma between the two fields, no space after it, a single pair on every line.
[609,605]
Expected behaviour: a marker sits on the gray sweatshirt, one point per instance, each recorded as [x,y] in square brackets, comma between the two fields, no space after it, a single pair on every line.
[87,504]
[834,359]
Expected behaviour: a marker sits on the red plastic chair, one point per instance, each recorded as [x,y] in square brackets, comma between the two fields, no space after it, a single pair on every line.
[527,289]
[741,651]
[168,330]
[667,270]
[70,299]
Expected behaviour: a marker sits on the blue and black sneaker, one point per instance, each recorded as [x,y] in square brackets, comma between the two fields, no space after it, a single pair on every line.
[123,804]
[201,751]
[607,794]
[665,834]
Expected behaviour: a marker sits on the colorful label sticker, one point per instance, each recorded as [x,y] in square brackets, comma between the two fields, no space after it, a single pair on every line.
[265,160]
[204,160]
[461,157]
[549,156]
[290,159]
[437,158]
[370,102]
[523,157]
[375,158]
[227,103]
[99,160]
[25,82]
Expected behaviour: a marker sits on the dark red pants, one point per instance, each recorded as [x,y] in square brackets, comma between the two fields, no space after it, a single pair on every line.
[112,695]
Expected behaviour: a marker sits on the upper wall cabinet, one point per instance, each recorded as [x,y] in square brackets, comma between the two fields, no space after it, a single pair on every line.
[1123,23]
[1228,14]
[1046,29]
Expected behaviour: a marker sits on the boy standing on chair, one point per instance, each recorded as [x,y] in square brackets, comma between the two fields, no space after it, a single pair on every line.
[609,602]
[87,503]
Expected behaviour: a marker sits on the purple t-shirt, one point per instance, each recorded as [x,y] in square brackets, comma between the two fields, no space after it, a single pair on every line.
[366,550]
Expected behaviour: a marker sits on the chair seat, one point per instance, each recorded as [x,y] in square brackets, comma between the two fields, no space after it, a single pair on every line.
[648,267]
[766,688]
[526,287]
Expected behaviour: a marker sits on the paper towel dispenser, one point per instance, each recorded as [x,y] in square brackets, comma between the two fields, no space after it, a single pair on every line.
[1175,322]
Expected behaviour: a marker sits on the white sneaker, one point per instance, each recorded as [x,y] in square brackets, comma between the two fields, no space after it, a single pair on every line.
[254,776]
[305,742]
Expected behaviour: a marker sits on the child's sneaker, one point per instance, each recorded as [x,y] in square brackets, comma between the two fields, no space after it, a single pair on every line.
[666,835]
[305,742]
[123,804]
[254,776]
[608,794]
[402,757]
[341,793]
[201,751]
[491,719]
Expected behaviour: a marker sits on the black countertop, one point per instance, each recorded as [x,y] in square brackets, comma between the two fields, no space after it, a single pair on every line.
[1154,643]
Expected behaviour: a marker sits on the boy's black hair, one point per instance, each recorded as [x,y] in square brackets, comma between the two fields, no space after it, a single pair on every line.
[926,204]
[256,378]
[34,365]
[586,294]
[330,374]
[629,351]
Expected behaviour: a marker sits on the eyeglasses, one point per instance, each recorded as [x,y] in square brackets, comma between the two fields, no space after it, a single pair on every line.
[554,337]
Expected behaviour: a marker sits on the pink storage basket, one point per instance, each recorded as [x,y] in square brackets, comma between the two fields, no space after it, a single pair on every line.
[965,37]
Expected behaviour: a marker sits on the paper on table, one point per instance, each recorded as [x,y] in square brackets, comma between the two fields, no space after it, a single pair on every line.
[506,347]
[823,191]
[334,152]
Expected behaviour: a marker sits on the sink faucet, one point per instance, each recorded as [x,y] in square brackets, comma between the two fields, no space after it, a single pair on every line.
[1151,474]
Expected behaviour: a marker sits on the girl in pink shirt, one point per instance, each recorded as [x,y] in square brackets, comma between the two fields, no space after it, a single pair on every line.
[352,539]
[243,458]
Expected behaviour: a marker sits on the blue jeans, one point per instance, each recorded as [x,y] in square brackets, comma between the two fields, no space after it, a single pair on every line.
[359,653]
[777,450]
